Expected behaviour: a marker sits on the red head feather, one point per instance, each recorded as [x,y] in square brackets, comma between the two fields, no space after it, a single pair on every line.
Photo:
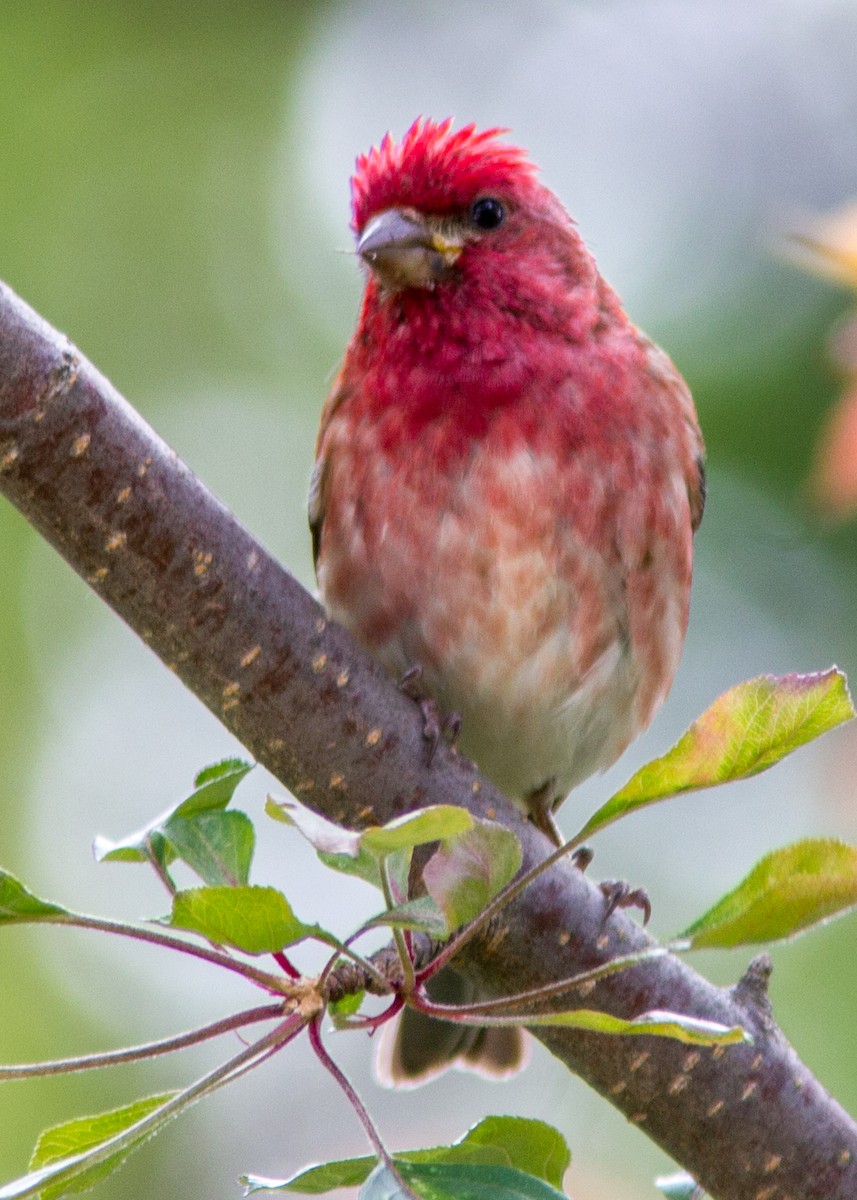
[435,169]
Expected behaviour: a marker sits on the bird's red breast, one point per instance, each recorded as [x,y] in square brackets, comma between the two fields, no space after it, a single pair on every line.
[508,473]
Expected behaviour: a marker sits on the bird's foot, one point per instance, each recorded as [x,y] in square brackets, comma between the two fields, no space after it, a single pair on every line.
[435,726]
[582,857]
[410,680]
[540,806]
[618,894]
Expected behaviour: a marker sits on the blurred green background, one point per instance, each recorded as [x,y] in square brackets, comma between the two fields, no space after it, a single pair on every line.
[174,195]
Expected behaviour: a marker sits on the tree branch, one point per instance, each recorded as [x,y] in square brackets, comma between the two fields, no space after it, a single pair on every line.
[750,1123]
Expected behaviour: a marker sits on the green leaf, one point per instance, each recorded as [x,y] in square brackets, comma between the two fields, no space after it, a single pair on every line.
[321,834]
[745,731]
[257,920]
[365,866]
[17,904]
[74,1138]
[224,771]
[217,845]
[397,867]
[77,1154]
[456,1181]
[346,1006]
[382,1184]
[468,871]
[133,848]
[314,1181]
[787,891]
[214,788]
[437,823]
[527,1145]
[691,1030]
[360,853]
[421,914]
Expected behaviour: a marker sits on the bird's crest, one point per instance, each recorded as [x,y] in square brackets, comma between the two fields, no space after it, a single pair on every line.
[435,169]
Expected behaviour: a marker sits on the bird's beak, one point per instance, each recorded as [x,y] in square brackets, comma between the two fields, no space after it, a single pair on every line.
[405,249]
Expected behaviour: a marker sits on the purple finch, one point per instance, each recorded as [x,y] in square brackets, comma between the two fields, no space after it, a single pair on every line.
[509,473]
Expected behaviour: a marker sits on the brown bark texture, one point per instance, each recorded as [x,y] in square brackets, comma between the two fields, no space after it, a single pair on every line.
[748,1122]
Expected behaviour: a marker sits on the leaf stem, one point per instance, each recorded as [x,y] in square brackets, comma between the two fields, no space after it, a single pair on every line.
[343,950]
[158,867]
[87,1062]
[271,983]
[285,964]
[408,977]
[356,1103]
[500,1005]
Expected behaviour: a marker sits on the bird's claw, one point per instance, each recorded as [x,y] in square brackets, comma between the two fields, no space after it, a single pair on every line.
[434,726]
[431,724]
[409,680]
[540,805]
[618,894]
[582,857]
[452,728]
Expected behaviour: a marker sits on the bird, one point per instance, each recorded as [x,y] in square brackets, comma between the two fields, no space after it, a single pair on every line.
[508,474]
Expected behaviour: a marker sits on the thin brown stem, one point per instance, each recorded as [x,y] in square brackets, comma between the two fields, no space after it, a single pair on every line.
[537,995]
[271,983]
[343,950]
[158,867]
[357,1104]
[402,948]
[348,1088]
[112,1058]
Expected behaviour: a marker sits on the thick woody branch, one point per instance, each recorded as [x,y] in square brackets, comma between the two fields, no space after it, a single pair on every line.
[750,1123]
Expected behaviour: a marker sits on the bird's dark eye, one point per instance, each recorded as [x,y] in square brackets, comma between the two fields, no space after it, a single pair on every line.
[487,213]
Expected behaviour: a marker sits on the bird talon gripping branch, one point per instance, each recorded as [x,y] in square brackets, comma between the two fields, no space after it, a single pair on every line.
[619,894]
[508,472]
[434,725]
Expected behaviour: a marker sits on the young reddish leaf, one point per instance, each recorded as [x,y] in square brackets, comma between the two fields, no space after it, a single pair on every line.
[691,1030]
[832,482]
[468,871]
[745,731]
[74,1138]
[17,904]
[828,245]
[257,920]
[397,867]
[787,891]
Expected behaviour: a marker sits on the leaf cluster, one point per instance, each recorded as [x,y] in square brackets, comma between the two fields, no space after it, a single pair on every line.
[471,870]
